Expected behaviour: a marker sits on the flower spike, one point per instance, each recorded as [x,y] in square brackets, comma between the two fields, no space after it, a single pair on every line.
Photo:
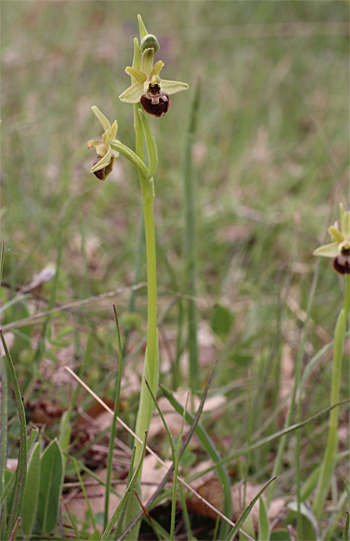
[103,164]
[149,89]
[339,249]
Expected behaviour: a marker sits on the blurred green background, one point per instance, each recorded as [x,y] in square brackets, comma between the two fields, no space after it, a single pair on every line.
[271,155]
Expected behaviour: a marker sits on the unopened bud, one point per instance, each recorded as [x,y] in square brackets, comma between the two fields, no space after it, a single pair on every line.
[149,42]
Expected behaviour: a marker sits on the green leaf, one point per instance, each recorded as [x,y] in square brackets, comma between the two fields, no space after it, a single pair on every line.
[221,321]
[280,535]
[152,149]
[21,472]
[308,522]
[31,493]
[247,511]
[51,479]
[264,526]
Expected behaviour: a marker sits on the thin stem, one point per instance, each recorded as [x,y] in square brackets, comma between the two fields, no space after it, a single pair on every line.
[328,463]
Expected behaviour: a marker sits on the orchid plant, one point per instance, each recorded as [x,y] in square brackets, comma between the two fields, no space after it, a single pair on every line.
[339,251]
[149,94]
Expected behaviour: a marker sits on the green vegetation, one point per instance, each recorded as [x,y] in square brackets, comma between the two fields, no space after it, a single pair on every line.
[266,122]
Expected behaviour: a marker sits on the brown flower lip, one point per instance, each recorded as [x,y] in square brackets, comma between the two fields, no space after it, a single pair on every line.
[155,102]
[102,174]
[341,263]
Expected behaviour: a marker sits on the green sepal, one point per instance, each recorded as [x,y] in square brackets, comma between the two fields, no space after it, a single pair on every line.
[138,75]
[171,87]
[132,94]
[151,143]
[136,59]
[328,250]
[104,121]
[142,28]
[103,161]
[147,60]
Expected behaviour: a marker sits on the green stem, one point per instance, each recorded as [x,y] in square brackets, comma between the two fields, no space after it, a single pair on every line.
[328,463]
[151,366]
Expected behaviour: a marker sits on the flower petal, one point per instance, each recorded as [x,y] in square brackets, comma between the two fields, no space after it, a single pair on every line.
[113,131]
[103,161]
[147,60]
[336,234]
[328,250]
[345,226]
[132,94]
[138,75]
[171,87]
[94,143]
[156,68]
[104,121]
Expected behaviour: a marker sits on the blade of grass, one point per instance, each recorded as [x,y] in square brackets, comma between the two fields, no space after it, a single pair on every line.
[268,439]
[210,449]
[190,240]
[175,457]
[4,420]
[114,422]
[90,511]
[21,472]
[128,489]
[185,513]
[170,470]
[72,521]
[176,471]
[247,511]
[119,522]
[346,528]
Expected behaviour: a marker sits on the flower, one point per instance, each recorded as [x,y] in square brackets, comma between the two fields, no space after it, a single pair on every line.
[339,249]
[149,89]
[103,164]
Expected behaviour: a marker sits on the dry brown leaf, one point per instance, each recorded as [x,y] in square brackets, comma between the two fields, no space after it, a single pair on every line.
[231,233]
[211,490]
[45,412]
[150,479]
[54,372]
[174,419]
[39,279]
